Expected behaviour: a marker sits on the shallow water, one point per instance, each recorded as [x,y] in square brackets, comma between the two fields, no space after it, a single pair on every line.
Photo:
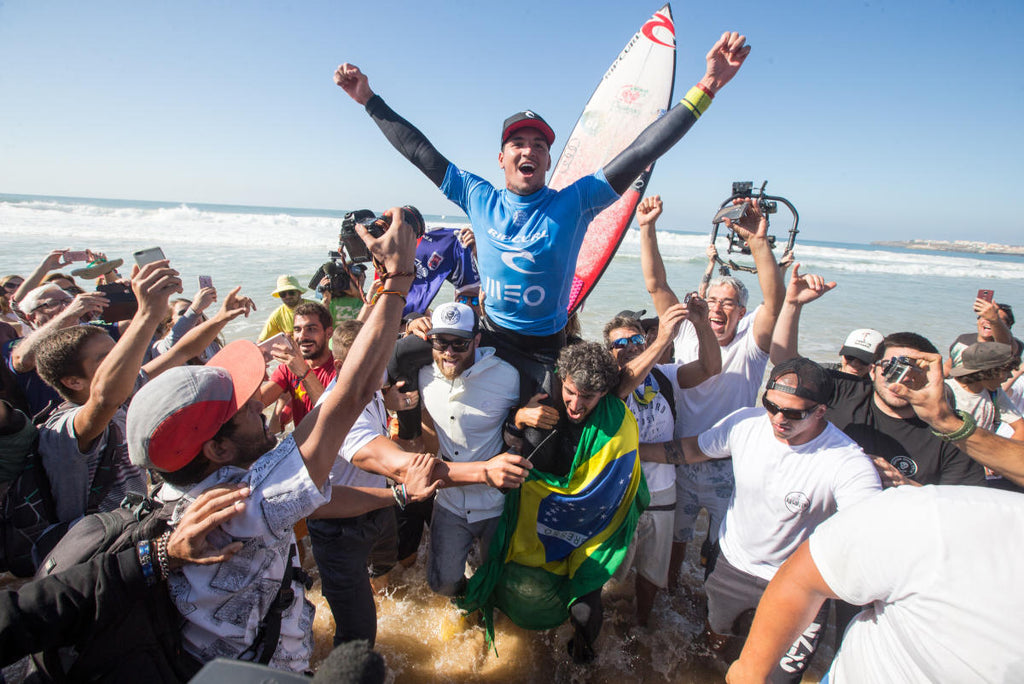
[424,638]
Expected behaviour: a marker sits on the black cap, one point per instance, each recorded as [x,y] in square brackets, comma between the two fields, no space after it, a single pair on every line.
[526,119]
[813,382]
[626,313]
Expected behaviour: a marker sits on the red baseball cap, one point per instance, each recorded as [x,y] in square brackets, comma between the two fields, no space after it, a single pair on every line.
[174,414]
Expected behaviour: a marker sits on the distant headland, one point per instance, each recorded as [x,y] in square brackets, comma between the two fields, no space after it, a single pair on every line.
[968,246]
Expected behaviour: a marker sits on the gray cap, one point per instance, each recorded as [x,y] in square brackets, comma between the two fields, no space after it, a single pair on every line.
[982,356]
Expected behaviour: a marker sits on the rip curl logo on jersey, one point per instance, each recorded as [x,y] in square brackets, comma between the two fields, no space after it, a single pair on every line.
[434,261]
[660,21]
[906,465]
[797,502]
[451,316]
[514,261]
[530,115]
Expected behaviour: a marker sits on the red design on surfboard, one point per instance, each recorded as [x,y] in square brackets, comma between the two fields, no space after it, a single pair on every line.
[659,20]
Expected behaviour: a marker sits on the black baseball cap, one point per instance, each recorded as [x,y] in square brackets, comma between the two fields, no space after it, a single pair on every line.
[812,381]
[526,119]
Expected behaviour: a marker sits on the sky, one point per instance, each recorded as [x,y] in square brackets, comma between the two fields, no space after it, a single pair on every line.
[878,119]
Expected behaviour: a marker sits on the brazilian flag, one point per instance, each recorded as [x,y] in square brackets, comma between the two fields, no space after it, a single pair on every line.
[562,537]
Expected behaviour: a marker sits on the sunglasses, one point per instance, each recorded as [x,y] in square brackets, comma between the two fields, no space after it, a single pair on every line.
[12,286]
[467,300]
[787,413]
[457,345]
[623,342]
[50,304]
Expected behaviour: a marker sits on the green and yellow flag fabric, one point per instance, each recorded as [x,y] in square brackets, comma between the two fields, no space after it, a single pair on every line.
[562,537]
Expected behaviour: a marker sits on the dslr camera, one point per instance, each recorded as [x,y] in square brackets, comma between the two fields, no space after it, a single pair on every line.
[375,226]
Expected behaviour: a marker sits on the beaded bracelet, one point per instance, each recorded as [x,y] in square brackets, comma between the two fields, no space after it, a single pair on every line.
[299,380]
[146,561]
[400,499]
[378,295]
[962,432]
[161,555]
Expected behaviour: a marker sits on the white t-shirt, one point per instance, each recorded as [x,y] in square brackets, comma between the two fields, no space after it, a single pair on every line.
[782,492]
[743,365]
[223,604]
[469,414]
[943,603]
[656,424]
[981,406]
[371,423]
[1016,394]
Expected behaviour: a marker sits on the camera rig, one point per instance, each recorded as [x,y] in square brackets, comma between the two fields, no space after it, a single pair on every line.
[768,204]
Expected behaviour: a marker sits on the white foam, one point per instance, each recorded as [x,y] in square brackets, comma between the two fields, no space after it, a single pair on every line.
[679,247]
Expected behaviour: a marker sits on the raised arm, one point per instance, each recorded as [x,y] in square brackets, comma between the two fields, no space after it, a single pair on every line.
[709,352]
[990,312]
[802,289]
[651,263]
[753,229]
[200,337]
[116,375]
[87,304]
[321,434]
[188,320]
[640,366]
[723,61]
[405,137]
[1005,456]
[51,262]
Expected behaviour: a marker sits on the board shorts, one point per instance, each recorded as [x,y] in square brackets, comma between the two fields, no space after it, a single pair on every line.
[651,547]
[733,596]
[705,485]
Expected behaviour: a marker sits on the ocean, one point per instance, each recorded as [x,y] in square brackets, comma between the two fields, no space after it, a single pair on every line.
[421,635]
[886,288]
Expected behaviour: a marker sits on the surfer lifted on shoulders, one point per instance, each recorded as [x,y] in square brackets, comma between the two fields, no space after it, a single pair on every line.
[528,235]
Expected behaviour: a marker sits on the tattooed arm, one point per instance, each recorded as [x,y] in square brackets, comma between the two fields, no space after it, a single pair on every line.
[675,452]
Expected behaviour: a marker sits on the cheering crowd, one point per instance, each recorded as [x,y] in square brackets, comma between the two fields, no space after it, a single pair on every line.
[880,484]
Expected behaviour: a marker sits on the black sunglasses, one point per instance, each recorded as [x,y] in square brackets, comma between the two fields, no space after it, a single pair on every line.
[624,342]
[787,413]
[456,345]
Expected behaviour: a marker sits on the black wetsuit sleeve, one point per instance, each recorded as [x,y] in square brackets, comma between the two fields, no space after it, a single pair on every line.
[408,140]
[60,609]
[655,140]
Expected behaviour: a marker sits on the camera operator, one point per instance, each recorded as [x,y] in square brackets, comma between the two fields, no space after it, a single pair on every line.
[881,421]
[340,283]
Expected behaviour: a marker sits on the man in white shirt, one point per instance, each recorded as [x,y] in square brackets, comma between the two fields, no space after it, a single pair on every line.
[940,605]
[793,470]
[466,394]
[744,340]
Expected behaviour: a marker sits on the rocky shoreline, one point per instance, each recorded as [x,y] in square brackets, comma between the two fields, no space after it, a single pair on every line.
[968,246]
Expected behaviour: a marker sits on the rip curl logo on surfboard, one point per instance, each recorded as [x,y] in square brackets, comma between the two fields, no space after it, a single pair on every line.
[662,22]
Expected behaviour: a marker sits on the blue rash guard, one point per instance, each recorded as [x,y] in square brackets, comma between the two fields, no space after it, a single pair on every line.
[527,245]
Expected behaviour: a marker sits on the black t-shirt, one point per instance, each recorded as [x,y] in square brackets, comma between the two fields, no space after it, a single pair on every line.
[908,444]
